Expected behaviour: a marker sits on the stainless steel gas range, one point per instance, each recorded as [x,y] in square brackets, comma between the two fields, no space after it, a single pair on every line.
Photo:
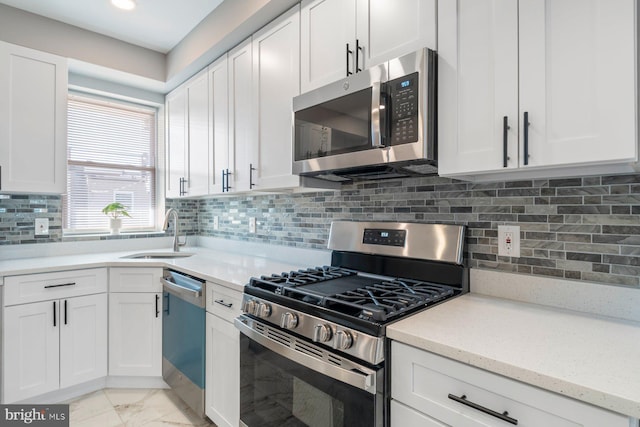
[313,349]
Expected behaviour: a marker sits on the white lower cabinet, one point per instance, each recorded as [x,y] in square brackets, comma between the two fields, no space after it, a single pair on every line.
[435,391]
[135,334]
[223,356]
[135,322]
[53,344]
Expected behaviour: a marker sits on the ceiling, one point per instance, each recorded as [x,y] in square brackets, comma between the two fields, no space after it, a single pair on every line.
[154,24]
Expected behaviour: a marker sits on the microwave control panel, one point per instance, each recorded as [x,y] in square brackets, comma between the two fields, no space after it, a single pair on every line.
[403,99]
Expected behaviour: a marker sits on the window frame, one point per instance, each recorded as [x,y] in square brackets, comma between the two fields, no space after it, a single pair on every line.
[159,170]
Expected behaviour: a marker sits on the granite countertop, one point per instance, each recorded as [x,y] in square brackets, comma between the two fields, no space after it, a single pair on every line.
[231,266]
[587,356]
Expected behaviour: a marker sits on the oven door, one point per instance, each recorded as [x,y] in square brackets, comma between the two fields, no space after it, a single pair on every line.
[288,381]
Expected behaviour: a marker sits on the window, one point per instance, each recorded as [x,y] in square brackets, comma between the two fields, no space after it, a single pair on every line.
[111,157]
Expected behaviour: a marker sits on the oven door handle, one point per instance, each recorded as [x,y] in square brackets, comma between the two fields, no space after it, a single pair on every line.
[358,376]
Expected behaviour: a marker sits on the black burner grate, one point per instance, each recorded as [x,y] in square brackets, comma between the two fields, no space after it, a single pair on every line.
[344,291]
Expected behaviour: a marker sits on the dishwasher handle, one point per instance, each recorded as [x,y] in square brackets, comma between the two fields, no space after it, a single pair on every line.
[181,290]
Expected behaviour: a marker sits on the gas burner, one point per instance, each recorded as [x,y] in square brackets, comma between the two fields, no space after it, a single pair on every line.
[388,299]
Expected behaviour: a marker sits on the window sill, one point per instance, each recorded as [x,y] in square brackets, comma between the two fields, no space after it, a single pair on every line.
[70,236]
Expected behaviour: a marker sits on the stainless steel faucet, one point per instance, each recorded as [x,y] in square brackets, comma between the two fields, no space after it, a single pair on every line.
[176,228]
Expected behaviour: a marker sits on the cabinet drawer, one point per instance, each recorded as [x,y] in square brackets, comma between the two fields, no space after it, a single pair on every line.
[403,416]
[223,302]
[428,383]
[47,286]
[135,280]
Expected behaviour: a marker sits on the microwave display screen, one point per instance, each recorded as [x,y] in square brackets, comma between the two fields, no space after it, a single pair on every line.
[403,96]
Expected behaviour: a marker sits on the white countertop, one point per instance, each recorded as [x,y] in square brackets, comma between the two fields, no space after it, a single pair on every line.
[227,263]
[589,357]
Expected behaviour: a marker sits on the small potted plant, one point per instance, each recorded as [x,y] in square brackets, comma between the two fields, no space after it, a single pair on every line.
[115,211]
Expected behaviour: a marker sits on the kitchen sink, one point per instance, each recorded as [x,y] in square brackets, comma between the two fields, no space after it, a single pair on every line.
[158,255]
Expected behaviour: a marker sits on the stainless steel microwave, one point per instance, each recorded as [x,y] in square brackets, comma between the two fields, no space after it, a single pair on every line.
[378,123]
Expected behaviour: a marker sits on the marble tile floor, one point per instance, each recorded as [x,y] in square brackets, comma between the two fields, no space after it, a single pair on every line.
[132,408]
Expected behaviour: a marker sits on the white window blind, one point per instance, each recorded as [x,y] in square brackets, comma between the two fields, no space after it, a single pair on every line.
[111,158]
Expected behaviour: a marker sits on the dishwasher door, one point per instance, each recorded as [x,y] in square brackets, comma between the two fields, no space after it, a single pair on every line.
[183,337]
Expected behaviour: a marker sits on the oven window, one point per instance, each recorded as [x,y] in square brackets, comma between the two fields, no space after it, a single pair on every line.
[335,127]
[276,392]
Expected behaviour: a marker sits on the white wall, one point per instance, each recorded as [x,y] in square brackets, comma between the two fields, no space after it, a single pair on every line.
[37,32]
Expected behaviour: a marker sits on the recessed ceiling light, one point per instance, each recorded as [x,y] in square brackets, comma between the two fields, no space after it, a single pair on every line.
[124,4]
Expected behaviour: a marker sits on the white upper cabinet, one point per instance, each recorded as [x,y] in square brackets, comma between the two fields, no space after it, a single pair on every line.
[33,121]
[276,80]
[176,142]
[188,153]
[577,80]
[219,123]
[328,34]
[390,28]
[568,66]
[199,153]
[340,37]
[240,117]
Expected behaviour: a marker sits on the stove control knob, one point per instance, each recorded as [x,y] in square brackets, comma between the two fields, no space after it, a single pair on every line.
[289,320]
[322,333]
[263,310]
[250,306]
[343,340]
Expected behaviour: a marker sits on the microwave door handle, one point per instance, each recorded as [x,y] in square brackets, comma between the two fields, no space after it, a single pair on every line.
[376,131]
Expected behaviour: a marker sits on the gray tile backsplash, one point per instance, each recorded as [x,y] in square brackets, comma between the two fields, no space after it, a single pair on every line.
[577,228]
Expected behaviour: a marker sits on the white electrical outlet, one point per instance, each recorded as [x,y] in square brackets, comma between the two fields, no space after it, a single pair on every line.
[252,224]
[509,240]
[42,226]
[215,222]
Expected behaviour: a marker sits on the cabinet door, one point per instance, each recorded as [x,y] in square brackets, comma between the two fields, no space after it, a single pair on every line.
[198,135]
[387,29]
[135,334]
[176,142]
[33,121]
[240,116]
[31,350]
[83,339]
[477,85]
[276,80]
[327,26]
[223,372]
[219,121]
[577,74]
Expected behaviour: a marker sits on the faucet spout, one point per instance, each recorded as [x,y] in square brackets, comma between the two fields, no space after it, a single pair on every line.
[176,228]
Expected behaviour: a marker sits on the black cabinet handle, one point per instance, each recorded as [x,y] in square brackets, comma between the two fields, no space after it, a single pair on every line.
[349,52]
[224,174]
[526,138]
[505,128]
[221,302]
[54,315]
[228,186]
[503,416]
[251,169]
[65,312]
[358,50]
[60,285]
[157,305]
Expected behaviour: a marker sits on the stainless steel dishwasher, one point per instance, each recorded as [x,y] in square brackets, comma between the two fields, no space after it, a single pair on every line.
[183,337]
